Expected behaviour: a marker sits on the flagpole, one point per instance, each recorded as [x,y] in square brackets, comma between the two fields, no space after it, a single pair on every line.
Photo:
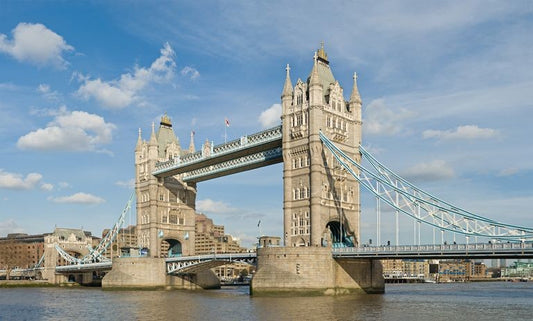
[225,129]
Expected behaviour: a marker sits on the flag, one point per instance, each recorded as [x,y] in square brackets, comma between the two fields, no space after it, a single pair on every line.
[227,122]
[258,223]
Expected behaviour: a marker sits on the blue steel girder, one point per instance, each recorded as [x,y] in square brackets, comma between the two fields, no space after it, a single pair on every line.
[197,263]
[422,206]
[248,152]
[99,266]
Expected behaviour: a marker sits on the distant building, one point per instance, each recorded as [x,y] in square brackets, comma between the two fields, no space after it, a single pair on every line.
[518,270]
[211,238]
[125,240]
[461,270]
[405,269]
[234,272]
[21,250]
[269,241]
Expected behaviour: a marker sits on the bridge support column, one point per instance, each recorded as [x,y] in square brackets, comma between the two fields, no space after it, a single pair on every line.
[313,271]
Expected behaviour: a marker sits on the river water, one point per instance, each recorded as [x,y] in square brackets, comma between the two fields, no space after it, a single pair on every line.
[428,302]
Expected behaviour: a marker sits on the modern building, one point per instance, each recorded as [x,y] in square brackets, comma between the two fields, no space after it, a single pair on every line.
[518,270]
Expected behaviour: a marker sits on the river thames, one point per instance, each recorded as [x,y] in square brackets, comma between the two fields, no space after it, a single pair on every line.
[454,301]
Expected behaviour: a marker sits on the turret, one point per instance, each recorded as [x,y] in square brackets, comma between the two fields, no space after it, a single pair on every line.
[315,87]
[355,98]
[152,145]
[192,149]
[355,108]
[138,147]
[287,87]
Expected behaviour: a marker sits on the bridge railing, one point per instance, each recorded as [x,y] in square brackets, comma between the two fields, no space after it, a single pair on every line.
[437,248]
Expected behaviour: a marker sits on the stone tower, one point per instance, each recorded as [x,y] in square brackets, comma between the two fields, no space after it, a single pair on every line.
[321,202]
[165,206]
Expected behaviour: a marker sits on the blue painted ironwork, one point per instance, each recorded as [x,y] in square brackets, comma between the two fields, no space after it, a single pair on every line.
[422,206]
[439,251]
[234,165]
[96,266]
[252,151]
[96,254]
[197,263]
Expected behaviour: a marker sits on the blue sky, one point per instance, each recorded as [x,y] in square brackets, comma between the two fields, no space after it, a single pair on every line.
[446,88]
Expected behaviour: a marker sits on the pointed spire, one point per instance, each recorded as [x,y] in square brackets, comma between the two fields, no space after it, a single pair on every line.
[322,55]
[314,73]
[153,139]
[139,140]
[287,88]
[355,97]
[192,149]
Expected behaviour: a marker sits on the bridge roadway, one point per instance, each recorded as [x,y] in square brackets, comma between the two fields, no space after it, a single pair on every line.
[441,251]
[192,264]
[248,152]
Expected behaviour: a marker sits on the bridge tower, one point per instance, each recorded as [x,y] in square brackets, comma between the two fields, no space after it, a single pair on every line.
[321,202]
[165,206]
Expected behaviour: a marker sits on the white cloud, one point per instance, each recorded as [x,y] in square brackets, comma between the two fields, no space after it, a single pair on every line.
[191,72]
[64,185]
[47,93]
[380,119]
[17,181]
[123,92]
[130,184]
[271,116]
[433,171]
[43,88]
[9,226]
[79,198]
[36,44]
[508,172]
[468,132]
[209,206]
[47,187]
[70,131]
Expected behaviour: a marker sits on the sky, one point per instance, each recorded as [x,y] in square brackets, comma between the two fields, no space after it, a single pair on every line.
[447,94]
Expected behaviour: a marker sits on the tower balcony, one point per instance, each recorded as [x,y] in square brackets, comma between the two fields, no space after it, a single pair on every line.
[298,131]
[338,134]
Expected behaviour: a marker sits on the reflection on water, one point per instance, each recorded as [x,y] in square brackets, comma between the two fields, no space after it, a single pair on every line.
[462,301]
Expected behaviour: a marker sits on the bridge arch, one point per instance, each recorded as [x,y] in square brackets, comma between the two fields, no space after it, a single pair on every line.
[301,242]
[338,234]
[171,247]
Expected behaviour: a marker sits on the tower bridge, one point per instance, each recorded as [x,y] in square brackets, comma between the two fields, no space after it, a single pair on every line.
[319,143]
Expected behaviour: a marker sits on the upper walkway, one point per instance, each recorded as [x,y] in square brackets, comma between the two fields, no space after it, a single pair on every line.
[248,152]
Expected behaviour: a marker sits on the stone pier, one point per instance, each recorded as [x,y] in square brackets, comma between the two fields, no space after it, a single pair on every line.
[313,271]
